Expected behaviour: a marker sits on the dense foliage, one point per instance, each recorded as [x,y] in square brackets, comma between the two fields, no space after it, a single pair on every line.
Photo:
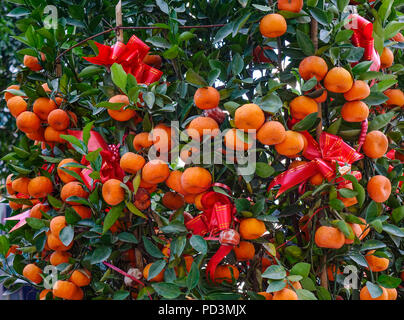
[236,60]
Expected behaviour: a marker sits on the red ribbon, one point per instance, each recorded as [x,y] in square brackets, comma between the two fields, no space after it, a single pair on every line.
[362,37]
[217,216]
[126,275]
[110,168]
[331,150]
[130,56]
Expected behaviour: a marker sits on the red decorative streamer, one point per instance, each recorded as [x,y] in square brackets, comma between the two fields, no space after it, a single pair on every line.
[110,168]
[362,136]
[362,37]
[126,275]
[130,56]
[217,217]
[324,155]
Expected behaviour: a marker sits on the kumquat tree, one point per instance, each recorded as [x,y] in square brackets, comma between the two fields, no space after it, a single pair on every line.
[204,150]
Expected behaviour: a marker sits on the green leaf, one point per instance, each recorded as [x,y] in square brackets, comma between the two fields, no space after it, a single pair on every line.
[127,237]
[275,285]
[392,28]
[90,71]
[66,235]
[152,249]
[111,217]
[132,208]
[192,77]
[301,269]
[93,155]
[199,244]
[306,123]
[343,35]
[261,7]
[193,276]
[372,244]
[309,84]
[371,211]
[167,290]
[149,98]
[323,293]
[305,43]
[212,76]
[4,244]
[361,67]
[171,53]
[336,204]
[393,230]
[35,223]
[347,193]
[344,228]
[72,217]
[375,98]
[258,207]
[239,23]
[119,76]
[156,268]
[86,132]
[237,64]
[274,272]
[398,214]
[223,32]
[163,6]
[323,17]
[159,42]
[54,202]
[18,12]
[21,170]
[185,36]
[304,294]
[174,227]
[334,127]
[388,282]
[121,295]
[380,121]
[374,290]
[269,103]
[100,254]
[110,105]
[308,284]
[264,170]
[341,5]
[385,9]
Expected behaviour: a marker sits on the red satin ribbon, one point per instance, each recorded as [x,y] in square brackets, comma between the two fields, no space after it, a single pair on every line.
[130,56]
[324,156]
[217,216]
[110,168]
[362,37]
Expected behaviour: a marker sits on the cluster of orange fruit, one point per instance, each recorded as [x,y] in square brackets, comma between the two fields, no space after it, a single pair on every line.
[46,122]
[67,289]
[36,190]
[376,264]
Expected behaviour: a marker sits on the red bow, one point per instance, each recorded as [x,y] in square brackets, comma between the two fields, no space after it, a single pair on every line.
[362,37]
[130,56]
[110,168]
[331,150]
[217,217]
